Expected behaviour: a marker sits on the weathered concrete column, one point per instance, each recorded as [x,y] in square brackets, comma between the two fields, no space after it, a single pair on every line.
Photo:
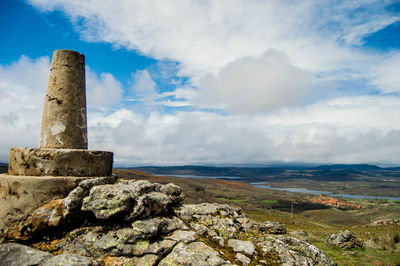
[64,113]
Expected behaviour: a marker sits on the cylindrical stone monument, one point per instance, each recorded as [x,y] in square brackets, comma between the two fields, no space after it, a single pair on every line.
[63,137]
[64,113]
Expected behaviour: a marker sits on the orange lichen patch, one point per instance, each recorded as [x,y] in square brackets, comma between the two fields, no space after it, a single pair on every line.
[329,201]
[111,260]
[51,246]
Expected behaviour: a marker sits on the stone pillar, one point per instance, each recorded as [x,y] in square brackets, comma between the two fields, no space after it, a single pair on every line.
[64,113]
[39,175]
[63,137]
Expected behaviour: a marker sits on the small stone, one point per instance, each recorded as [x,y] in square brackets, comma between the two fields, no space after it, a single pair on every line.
[183,236]
[148,259]
[219,240]
[272,228]
[246,247]
[243,259]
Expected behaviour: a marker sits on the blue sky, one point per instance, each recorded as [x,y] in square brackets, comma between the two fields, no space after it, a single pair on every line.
[213,82]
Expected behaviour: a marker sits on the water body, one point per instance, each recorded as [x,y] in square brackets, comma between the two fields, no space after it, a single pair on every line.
[319,192]
[299,190]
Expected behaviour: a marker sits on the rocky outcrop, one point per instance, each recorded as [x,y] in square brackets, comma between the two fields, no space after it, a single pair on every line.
[387,222]
[142,223]
[345,240]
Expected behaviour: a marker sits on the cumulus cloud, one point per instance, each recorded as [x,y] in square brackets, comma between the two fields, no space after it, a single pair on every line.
[314,134]
[254,84]
[144,88]
[22,87]
[342,130]
[103,90]
[248,56]
[205,36]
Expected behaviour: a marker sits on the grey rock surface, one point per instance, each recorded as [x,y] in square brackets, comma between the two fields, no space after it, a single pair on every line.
[106,201]
[67,259]
[245,247]
[345,240]
[14,254]
[143,223]
[243,259]
[59,162]
[196,253]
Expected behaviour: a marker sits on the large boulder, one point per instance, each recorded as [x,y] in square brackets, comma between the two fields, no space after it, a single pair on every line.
[142,223]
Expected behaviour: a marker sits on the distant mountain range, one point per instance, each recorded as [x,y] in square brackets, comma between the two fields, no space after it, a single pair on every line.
[336,172]
[214,169]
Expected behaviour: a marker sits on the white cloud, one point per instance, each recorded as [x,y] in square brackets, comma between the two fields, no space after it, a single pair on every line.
[255,84]
[345,130]
[102,90]
[386,74]
[209,38]
[342,130]
[227,49]
[22,88]
[144,87]
[204,36]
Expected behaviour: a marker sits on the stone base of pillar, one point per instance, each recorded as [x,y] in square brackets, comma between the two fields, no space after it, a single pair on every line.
[20,196]
[59,162]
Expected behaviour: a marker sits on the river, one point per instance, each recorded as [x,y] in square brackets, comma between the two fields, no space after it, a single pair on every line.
[299,190]
[321,192]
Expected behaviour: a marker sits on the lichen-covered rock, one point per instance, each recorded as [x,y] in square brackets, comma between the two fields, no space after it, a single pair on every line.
[291,251]
[196,253]
[212,219]
[345,240]
[174,191]
[275,228]
[47,216]
[242,259]
[68,259]
[130,199]
[73,202]
[268,227]
[14,254]
[245,247]
[107,201]
[386,222]
[183,236]
[142,223]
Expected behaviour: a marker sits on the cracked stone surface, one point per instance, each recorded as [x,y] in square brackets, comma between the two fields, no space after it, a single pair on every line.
[142,223]
[59,162]
[64,114]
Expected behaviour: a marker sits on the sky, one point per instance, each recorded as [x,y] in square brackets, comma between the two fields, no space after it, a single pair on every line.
[205,82]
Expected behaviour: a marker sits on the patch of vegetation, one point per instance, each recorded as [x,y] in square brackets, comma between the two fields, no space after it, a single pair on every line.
[231,200]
